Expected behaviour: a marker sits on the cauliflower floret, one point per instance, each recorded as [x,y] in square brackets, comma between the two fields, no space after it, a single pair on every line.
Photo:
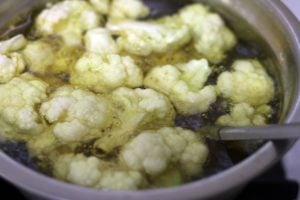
[147,152]
[102,6]
[127,9]
[184,85]
[100,41]
[139,108]
[121,180]
[102,73]
[187,149]
[84,171]
[146,102]
[78,169]
[19,97]
[211,37]
[13,44]
[39,56]
[153,152]
[50,56]
[68,19]
[244,114]
[11,66]
[11,62]
[93,172]
[76,114]
[144,38]
[248,83]
[43,144]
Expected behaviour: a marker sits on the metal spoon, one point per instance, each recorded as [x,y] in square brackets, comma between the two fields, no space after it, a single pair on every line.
[268,132]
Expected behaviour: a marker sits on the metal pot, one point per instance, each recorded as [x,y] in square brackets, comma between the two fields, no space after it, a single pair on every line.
[265,22]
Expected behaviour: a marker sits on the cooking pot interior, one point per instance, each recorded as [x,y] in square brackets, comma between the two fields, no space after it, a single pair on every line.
[264,37]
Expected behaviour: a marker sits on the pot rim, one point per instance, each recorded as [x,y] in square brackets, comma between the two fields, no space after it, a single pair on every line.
[237,175]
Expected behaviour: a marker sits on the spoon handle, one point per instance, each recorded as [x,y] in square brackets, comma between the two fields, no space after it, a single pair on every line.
[269,132]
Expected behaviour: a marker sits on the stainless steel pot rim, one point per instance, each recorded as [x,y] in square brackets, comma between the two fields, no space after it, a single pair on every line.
[37,183]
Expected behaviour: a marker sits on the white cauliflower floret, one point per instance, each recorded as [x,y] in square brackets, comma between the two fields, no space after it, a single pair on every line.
[121,180]
[93,172]
[19,97]
[68,19]
[248,83]
[100,41]
[84,171]
[102,73]
[147,102]
[76,114]
[102,6]
[78,169]
[127,9]
[153,152]
[11,66]
[139,108]
[144,38]
[44,144]
[187,148]
[147,152]
[244,114]
[184,85]
[39,56]
[13,44]
[211,37]
[11,63]
[50,56]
